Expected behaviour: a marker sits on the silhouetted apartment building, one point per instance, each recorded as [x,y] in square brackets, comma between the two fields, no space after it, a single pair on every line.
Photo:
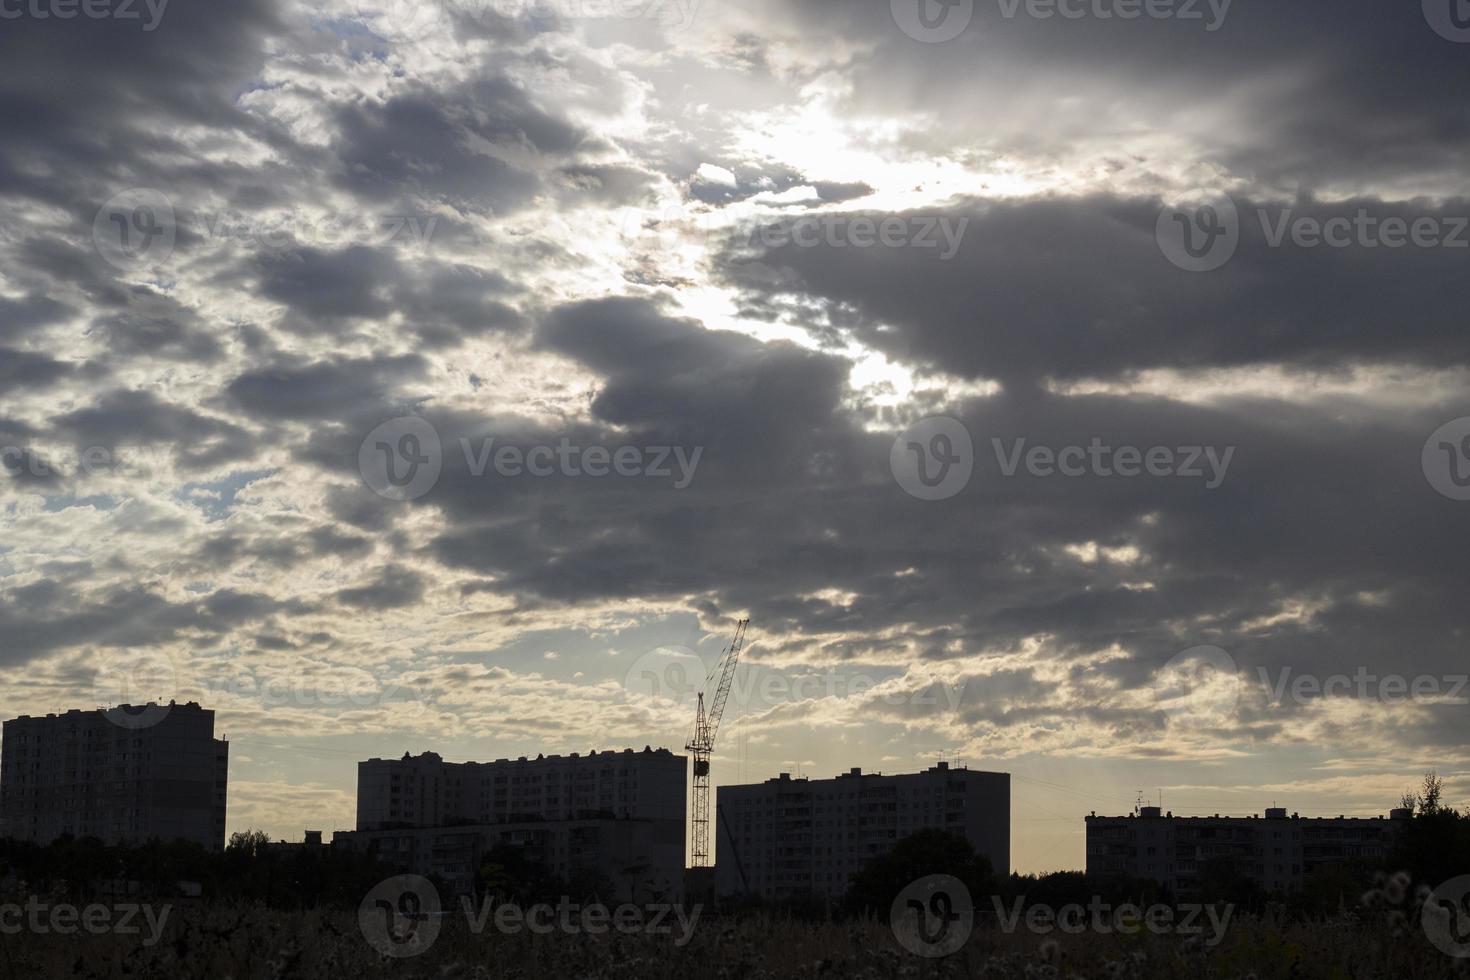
[1275,851]
[785,837]
[123,775]
[618,814]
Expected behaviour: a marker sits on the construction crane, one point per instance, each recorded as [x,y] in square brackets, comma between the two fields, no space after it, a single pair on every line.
[702,743]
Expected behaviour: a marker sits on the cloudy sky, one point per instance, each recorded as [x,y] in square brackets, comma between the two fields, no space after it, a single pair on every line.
[322,327]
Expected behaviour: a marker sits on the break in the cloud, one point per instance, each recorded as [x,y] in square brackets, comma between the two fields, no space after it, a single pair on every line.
[569,225]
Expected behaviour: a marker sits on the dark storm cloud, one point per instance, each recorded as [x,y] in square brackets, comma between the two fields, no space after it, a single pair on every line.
[1069,288]
[453,302]
[463,147]
[1287,94]
[340,388]
[793,498]
[22,316]
[24,369]
[47,616]
[102,97]
[125,418]
[393,588]
[327,285]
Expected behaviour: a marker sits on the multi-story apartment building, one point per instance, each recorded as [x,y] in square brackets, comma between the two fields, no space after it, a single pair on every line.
[124,775]
[1276,851]
[619,813]
[787,838]
[426,791]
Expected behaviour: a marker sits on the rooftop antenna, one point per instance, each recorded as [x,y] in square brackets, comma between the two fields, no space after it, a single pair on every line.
[1138,803]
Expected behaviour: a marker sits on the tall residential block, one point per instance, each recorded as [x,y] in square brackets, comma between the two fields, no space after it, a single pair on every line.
[123,775]
[788,838]
[1276,851]
[618,813]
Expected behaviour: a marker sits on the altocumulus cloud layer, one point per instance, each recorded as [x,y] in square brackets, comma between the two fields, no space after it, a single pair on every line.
[241,237]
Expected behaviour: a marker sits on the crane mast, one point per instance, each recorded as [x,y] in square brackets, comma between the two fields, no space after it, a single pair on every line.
[702,743]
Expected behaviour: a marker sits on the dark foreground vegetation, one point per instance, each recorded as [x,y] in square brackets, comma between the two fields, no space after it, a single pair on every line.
[260,910]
